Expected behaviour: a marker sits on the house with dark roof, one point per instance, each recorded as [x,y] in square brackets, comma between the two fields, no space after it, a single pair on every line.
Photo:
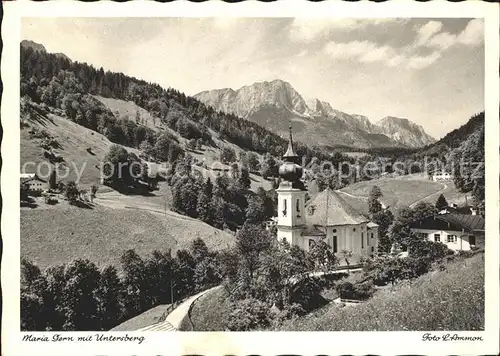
[460,232]
[33,183]
[327,217]
[454,208]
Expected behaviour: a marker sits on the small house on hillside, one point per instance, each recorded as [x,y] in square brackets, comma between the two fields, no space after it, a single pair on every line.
[455,209]
[459,232]
[33,183]
[441,175]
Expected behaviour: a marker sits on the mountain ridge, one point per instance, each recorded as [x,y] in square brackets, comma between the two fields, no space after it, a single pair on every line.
[279,100]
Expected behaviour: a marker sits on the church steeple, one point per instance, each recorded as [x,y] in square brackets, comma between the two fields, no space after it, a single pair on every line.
[291,170]
[291,197]
[290,154]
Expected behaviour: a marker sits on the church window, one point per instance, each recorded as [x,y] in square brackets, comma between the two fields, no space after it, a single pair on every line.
[284,207]
[334,230]
[334,244]
[354,229]
[362,240]
[298,205]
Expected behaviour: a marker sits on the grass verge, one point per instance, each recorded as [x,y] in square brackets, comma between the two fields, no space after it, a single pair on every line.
[444,300]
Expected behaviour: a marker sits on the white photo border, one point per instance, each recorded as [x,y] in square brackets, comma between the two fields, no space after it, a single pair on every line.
[237,343]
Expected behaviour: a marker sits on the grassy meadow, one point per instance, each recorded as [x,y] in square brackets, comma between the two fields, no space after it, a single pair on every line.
[59,235]
[397,192]
[441,300]
[211,311]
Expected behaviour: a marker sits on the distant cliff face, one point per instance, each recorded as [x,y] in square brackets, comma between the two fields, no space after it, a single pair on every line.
[274,104]
[277,94]
[405,132]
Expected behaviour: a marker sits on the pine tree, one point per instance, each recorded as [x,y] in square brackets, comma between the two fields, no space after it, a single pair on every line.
[374,205]
[72,192]
[251,242]
[244,178]
[205,207]
[256,211]
[219,209]
[269,167]
[53,180]
[80,296]
[137,117]
[441,202]
[253,162]
[110,296]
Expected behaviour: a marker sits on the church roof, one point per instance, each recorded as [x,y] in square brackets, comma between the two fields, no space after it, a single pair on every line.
[329,209]
[312,230]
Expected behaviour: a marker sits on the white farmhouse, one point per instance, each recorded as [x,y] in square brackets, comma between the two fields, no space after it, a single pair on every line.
[457,231]
[33,183]
[441,175]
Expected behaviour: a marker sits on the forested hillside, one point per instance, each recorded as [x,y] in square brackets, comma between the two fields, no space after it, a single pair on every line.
[462,153]
[167,126]
[58,82]
[456,137]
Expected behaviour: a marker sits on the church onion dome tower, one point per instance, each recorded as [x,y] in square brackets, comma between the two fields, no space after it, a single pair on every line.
[291,171]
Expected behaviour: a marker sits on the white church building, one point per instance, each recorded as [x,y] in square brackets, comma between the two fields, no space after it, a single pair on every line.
[326,217]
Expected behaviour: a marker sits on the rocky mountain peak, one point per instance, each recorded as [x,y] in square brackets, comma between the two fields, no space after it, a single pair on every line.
[274,103]
[33,45]
[404,130]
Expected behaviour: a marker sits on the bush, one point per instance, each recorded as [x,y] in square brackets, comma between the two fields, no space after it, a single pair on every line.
[35,133]
[465,254]
[307,294]
[381,270]
[51,200]
[420,248]
[289,312]
[346,290]
[358,291]
[248,314]
[364,290]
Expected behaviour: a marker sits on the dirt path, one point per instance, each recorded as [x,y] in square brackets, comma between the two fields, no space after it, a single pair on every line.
[175,318]
[352,196]
[338,270]
[364,199]
[412,205]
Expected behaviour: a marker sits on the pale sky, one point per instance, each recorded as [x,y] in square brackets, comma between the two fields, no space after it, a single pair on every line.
[430,71]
